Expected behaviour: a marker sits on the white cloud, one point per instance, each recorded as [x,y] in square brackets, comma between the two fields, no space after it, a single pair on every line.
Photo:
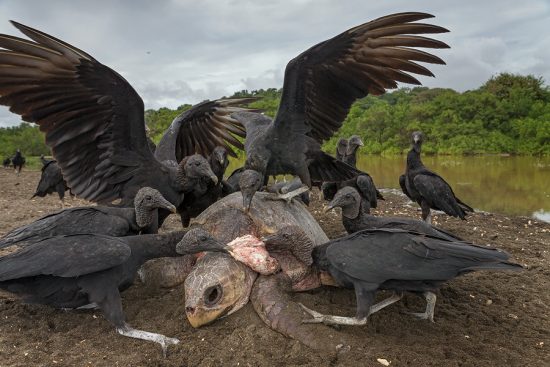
[185,51]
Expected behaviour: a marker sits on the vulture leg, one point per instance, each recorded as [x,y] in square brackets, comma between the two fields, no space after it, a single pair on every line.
[430,307]
[60,189]
[385,303]
[426,212]
[365,297]
[318,318]
[289,195]
[110,304]
[164,341]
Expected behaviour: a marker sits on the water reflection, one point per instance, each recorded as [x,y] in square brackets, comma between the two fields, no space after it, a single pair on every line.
[542,215]
[502,184]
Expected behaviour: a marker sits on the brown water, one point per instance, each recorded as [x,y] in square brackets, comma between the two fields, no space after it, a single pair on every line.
[501,184]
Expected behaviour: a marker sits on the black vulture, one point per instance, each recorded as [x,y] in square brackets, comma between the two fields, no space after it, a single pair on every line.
[18,161]
[427,188]
[356,217]
[78,270]
[208,192]
[94,120]
[110,221]
[346,151]
[6,162]
[51,180]
[319,88]
[203,128]
[233,180]
[392,259]
[363,183]
[341,149]
[354,142]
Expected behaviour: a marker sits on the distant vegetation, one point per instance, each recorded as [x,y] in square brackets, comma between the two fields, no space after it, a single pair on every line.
[508,114]
[26,137]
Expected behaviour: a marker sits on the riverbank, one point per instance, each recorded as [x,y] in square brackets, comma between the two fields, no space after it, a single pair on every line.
[489,319]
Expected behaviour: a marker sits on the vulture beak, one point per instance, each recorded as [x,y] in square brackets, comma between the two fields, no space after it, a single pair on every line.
[328,208]
[214,179]
[247,201]
[165,204]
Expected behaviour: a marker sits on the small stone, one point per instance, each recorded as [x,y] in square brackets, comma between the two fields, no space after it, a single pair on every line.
[489,302]
[512,316]
[467,336]
[383,361]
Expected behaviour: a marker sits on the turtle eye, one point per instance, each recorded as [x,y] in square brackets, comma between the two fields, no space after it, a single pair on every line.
[348,196]
[202,238]
[212,295]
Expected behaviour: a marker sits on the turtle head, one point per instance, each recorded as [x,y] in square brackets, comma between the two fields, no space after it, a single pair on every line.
[217,286]
[146,201]
[250,182]
[196,167]
[348,199]
[198,240]
[354,142]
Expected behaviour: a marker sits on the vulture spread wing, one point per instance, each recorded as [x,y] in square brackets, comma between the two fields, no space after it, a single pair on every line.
[321,84]
[202,128]
[92,117]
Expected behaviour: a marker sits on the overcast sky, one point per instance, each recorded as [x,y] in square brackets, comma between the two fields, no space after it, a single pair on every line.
[180,51]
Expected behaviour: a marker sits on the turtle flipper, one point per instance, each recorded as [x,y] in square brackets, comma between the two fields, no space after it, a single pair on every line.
[271,299]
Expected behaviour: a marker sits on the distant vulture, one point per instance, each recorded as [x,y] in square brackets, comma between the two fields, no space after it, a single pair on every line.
[427,188]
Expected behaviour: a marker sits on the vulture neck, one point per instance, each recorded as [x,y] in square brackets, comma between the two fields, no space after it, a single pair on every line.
[413,158]
[158,245]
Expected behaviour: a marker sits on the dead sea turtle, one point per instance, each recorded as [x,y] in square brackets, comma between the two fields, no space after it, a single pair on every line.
[219,285]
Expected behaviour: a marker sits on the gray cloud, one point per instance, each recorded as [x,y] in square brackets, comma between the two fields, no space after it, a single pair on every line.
[182,51]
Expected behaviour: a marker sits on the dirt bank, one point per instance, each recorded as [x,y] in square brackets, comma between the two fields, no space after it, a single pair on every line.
[483,319]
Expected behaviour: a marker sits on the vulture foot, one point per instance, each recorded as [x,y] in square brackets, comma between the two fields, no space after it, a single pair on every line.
[164,341]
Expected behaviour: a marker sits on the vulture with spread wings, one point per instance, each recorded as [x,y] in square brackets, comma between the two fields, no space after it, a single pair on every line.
[94,121]
[320,86]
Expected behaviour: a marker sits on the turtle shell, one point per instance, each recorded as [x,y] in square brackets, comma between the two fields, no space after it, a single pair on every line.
[226,219]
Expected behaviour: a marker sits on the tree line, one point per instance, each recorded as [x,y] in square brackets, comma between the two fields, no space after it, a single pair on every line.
[508,114]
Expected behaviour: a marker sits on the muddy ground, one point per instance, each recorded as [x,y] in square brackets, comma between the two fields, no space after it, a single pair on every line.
[483,319]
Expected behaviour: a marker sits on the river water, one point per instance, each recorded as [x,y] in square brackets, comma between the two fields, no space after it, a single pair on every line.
[502,184]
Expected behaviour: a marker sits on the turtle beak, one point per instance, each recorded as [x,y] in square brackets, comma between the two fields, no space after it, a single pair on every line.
[199,316]
[214,179]
[329,207]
